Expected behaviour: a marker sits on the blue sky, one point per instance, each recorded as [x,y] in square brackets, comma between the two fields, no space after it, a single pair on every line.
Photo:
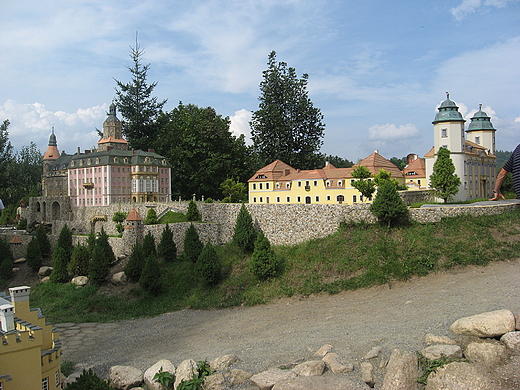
[377,69]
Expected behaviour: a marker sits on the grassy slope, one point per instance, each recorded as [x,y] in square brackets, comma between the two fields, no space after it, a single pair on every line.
[356,256]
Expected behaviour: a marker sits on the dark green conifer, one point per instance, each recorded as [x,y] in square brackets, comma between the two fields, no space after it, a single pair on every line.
[102,241]
[167,248]
[388,206]
[88,380]
[149,280]
[80,260]
[135,264]
[244,235]
[34,255]
[43,240]
[99,267]
[264,262]
[193,212]
[192,244]
[59,266]
[6,260]
[208,265]
[65,242]
[149,245]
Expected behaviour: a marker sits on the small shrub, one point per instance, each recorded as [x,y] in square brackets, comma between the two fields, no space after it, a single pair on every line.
[22,224]
[88,380]
[208,265]
[209,200]
[388,206]
[108,252]
[135,264]
[67,367]
[244,235]
[119,216]
[80,260]
[99,267]
[120,228]
[167,248]
[264,262]
[164,378]
[151,217]
[192,244]
[193,212]
[34,255]
[60,261]
[149,280]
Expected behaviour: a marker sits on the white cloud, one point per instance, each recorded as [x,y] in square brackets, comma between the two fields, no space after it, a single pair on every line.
[517,119]
[240,124]
[487,109]
[390,132]
[469,6]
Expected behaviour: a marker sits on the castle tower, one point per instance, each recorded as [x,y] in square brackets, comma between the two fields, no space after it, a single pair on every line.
[49,158]
[112,133]
[481,131]
[448,132]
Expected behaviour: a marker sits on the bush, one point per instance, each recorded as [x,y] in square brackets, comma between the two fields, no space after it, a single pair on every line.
[80,260]
[264,262]
[102,241]
[149,245]
[59,266]
[208,265]
[6,260]
[119,217]
[151,217]
[43,240]
[88,380]
[34,255]
[167,248]
[388,206]
[244,235]
[193,212]
[135,264]
[65,242]
[192,245]
[99,266]
[149,280]
[22,224]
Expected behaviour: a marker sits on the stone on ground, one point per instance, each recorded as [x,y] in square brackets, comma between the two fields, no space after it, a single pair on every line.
[223,362]
[310,368]
[487,352]
[458,376]
[166,366]
[335,365]
[185,371]
[125,377]
[266,380]
[434,352]
[319,383]
[402,371]
[490,324]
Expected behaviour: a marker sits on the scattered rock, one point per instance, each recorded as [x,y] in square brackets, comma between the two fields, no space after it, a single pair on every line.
[485,351]
[319,383]
[266,380]
[402,371]
[237,377]
[71,378]
[223,362]
[310,368]
[458,376]
[215,382]
[373,353]
[491,324]
[512,341]
[44,271]
[435,352]
[185,372]
[20,260]
[367,373]
[80,280]
[334,364]
[125,377]
[119,278]
[431,339]
[323,350]
[166,366]
[45,279]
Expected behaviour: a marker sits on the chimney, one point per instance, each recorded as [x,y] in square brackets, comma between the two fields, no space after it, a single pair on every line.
[79,151]
[20,300]
[87,151]
[151,150]
[6,317]
[376,151]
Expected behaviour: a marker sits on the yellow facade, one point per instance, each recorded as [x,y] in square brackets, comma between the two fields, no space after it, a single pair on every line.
[279,183]
[30,352]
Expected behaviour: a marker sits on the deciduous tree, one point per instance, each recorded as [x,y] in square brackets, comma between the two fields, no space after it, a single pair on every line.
[286,125]
[362,184]
[443,178]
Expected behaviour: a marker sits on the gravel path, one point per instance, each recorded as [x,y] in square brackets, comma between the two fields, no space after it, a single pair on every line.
[269,335]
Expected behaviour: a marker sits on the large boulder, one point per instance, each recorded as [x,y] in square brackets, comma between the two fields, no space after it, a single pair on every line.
[490,324]
[458,376]
[402,371]
[165,365]
[434,352]
[223,362]
[310,368]
[512,341]
[125,377]
[186,371]
[266,380]
[487,352]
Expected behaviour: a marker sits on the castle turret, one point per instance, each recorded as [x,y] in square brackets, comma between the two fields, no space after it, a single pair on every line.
[112,132]
[481,130]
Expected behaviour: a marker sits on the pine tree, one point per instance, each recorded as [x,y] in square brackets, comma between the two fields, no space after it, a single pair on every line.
[149,280]
[65,242]
[244,235]
[286,125]
[134,267]
[193,212]
[264,262]
[99,267]
[208,265]
[151,217]
[443,178]
[34,255]
[138,107]
[388,206]
[167,248]
[149,245]
[59,266]
[107,250]
[91,241]
[192,245]
[80,261]
[6,260]
[43,240]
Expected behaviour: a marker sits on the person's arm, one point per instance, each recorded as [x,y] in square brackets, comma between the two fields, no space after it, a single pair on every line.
[498,184]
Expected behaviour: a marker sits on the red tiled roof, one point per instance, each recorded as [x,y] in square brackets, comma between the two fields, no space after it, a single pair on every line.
[416,166]
[133,215]
[375,162]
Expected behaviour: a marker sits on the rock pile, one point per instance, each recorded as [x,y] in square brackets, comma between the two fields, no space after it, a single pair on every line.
[482,354]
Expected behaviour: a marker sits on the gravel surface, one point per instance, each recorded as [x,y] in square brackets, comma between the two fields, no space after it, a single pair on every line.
[390,316]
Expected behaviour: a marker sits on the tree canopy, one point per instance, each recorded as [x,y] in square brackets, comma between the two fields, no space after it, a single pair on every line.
[286,125]
[443,178]
[138,107]
[363,184]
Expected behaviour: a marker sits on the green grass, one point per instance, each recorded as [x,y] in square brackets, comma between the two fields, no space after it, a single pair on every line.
[173,217]
[357,256]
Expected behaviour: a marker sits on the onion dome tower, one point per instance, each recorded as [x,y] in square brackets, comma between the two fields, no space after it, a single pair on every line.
[112,132]
[448,127]
[481,130]
[51,154]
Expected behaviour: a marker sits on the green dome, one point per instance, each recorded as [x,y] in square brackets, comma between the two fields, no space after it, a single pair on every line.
[448,112]
[480,121]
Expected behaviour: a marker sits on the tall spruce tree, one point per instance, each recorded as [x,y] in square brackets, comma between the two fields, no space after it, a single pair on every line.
[134,267]
[192,214]
[192,244]
[79,261]
[43,240]
[244,235]
[65,242]
[208,265]
[34,255]
[149,245]
[443,178]
[149,280]
[286,125]
[167,248]
[264,263]
[60,261]
[99,266]
[138,107]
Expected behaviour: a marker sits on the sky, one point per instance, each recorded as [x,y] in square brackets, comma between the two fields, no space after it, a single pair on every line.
[377,70]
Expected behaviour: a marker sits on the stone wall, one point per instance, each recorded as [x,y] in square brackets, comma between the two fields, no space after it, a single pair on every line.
[410,197]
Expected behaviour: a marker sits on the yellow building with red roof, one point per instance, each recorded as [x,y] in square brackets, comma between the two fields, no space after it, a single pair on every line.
[279,183]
